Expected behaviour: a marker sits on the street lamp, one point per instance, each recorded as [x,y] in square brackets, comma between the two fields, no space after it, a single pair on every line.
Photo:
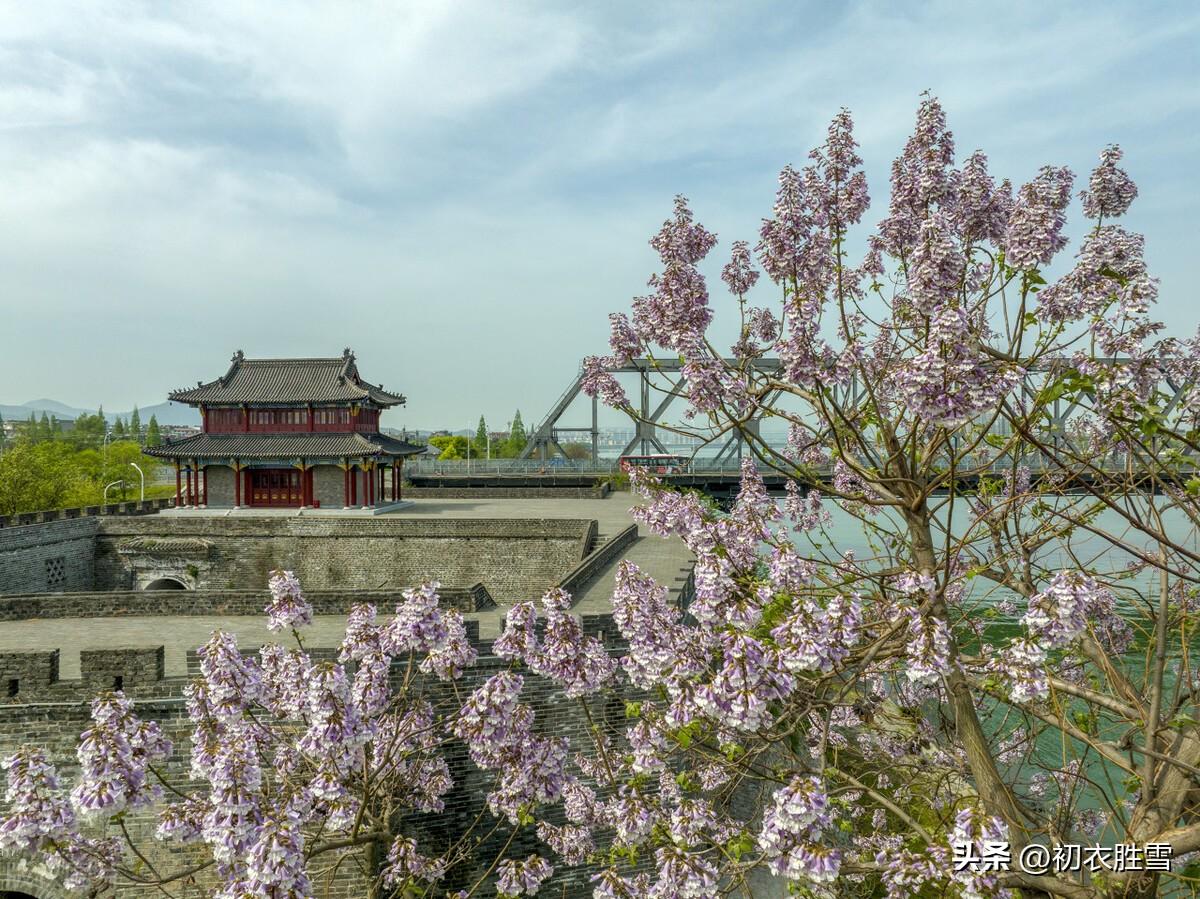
[109,487]
[143,477]
[468,452]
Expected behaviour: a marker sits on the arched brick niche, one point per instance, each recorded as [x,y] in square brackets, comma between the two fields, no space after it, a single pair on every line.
[21,880]
[166,583]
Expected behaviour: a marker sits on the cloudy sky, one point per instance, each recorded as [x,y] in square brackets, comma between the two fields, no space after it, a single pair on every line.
[463,191]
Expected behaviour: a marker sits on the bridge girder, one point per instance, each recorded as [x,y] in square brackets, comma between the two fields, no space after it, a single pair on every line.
[544,437]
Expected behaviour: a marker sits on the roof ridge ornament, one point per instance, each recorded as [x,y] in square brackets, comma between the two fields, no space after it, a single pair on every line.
[238,356]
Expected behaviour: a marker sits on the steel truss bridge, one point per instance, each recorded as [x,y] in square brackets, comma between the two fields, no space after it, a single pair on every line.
[545,441]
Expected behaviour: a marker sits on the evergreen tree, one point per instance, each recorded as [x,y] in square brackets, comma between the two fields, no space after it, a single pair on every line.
[118,430]
[44,430]
[135,425]
[88,431]
[55,426]
[481,436]
[153,437]
[3,438]
[517,435]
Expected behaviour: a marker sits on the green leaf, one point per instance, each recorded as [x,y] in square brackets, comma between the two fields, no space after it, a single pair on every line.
[739,845]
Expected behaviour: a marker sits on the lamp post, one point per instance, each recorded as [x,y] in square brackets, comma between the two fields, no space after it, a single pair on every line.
[109,487]
[468,452]
[141,474]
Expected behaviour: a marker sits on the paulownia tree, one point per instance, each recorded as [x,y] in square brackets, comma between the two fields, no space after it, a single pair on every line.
[1005,653]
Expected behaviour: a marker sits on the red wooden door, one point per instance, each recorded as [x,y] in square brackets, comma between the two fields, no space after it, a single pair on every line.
[275,487]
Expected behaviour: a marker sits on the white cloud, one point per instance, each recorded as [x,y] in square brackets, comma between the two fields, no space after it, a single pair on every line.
[439,182]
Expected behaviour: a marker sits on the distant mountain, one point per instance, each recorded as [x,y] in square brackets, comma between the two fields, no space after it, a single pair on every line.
[166,413]
[54,407]
[22,413]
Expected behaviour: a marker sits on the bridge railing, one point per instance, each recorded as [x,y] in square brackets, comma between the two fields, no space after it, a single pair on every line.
[1112,464]
[460,467]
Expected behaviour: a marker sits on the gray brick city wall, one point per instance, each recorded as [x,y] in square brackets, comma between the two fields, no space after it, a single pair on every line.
[121,668]
[233,603]
[26,674]
[514,559]
[57,555]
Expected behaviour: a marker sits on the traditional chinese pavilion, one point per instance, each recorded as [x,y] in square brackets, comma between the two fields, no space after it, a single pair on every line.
[293,433]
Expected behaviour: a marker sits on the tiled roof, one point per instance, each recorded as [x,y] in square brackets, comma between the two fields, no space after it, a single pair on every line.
[288,381]
[283,446]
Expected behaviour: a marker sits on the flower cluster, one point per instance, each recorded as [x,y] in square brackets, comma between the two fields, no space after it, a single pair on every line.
[288,608]
[114,755]
[41,823]
[577,663]
[1062,611]
[792,830]
[1034,235]
[498,730]
[523,878]
[1110,190]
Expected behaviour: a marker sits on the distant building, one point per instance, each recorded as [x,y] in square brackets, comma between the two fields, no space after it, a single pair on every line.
[287,433]
[177,432]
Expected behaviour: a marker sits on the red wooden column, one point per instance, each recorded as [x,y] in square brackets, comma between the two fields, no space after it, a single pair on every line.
[346,484]
[400,478]
[204,494]
[371,495]
[178,486]
[237,484]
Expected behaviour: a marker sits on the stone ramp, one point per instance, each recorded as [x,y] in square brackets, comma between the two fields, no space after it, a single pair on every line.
[668,561]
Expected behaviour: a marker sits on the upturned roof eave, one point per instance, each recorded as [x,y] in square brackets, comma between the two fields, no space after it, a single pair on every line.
[284,446]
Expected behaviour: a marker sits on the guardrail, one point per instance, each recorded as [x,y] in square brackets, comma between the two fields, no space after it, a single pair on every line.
[460,468]
[498,467]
